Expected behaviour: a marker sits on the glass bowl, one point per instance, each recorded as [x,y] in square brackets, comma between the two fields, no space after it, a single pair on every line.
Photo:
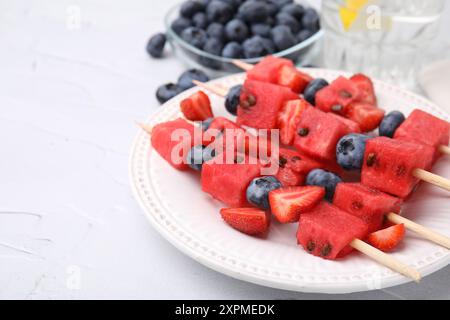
[217,66]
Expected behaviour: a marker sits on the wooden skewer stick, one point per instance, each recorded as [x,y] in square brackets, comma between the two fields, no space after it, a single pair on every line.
[444,149]
[432,178]
[243,65]
[146,127]
[220,91]
[386,260]
[420,230]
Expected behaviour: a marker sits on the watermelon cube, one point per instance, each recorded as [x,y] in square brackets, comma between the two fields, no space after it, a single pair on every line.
[368,204]
[293,167]
[351,125]
[228,182]
[366,88]
[327,231]
[389,165]
[260,103]
[164,143]
[318,133]
[422,127]
[268,69]
[337,96]
[365,115]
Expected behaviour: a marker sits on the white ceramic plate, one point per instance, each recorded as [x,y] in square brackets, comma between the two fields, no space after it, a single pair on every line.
[190,219]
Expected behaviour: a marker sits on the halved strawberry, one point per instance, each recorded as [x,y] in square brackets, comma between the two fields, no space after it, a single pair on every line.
[387,239]
[288,203]
[366,89]
[250,221]
[367,116]
[291,77]
[197,107]
[288,118]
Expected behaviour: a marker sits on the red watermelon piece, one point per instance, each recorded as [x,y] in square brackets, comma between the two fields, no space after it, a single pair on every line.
[368,204]
[288,119]
[260,104]
[293,78]
[365,87]
[422,127]
[268,69]
[327,231]
[365,115]
[163,142]
[389,164]
[228,182]
[351,125]
[318,133]
[337,96]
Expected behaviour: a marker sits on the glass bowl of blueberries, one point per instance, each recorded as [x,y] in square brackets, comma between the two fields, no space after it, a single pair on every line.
[210,34]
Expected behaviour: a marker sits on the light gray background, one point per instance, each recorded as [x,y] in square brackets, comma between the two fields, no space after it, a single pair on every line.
[69,226]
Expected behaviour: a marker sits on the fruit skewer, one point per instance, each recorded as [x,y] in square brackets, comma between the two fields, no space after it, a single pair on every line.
[408,130]
[357,244]
[374,206]
[422,231]
[418,172]
[343,233]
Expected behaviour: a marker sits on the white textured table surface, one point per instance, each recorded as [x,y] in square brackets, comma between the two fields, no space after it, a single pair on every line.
[69,226]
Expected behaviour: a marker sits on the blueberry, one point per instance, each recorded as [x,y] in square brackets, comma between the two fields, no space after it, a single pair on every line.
[167,92]
[185,80]
[208,153]
[255,47]
[272,8]
[326,179]
[232,50]
[281,3]
[180,24]
[191,7]
[206,123]
[283,37]
[269,45]
[304,34]
[219,11]
[155,46]
[195,157]
[311,19]
[312,88]
[350,151]
[254,11]
[194,36]
[261,29]
[236,30]
[216,30]
[233,3]
[390,123]
[259,189]
[294,9]
[212,46]
[285,19]
[200,20]
[233,98]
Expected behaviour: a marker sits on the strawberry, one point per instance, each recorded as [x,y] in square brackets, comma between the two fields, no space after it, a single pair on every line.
[220,123]
[288,118]
[367,116]
[387,239]
[197,107]
[250,221]
[294,79]
[288,203]
[366,89]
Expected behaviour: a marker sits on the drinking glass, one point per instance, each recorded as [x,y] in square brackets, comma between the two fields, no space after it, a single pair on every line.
[386,39]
